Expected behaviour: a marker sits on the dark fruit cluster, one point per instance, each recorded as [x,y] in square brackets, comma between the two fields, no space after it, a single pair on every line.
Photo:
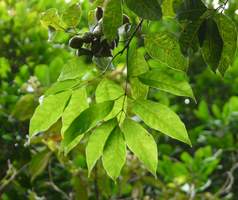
[93,43]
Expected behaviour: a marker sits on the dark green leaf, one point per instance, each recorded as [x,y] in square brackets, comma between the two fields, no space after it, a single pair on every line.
[188,39]
[38,163]
[212,44]
[146,9]
[24,108]
[164,47]
[191,10]
[228,33]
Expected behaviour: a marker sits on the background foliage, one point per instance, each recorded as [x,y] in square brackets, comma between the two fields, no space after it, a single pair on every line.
[33,58]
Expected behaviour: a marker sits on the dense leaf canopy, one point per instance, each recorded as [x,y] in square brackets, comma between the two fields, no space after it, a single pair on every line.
[102,84]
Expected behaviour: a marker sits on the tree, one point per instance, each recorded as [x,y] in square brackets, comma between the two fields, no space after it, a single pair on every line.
[114,103]
[108,82]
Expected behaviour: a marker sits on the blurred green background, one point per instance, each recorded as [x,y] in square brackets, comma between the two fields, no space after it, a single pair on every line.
[31,60]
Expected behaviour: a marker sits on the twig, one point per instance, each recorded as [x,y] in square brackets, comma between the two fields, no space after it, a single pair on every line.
[6,181]
[222,6]
[126,87]
[226,188]
[96,182]
[53,185]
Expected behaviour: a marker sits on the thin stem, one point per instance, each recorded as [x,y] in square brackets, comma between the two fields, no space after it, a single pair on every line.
[53,185]
[222,6]
[6,181]
[96,183]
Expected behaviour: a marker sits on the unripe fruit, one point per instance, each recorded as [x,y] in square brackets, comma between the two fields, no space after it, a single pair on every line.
[88,37]
[127,27]
[99,13]
[84,52]
[126,19]
[112,44]
[97,31]
[117,40]
[101,48]
[96,45]
[76,42]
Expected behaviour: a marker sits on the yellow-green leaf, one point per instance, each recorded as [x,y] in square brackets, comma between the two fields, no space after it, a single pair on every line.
[114,154]
[48,112]
[161,118]
[141,143]
[96,142]
[112,18]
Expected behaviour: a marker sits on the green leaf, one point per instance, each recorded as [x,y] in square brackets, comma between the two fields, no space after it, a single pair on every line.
[120,105]
[71,15]
[228,32]
[74,68]
[191,10]
[112,18]
[168,8]
[114,154]
[161,118]
[5,67]
[55,68]
[61,86]
[108,90]
[42,73]
[188,39]
[137,64]
[67,148]
[38,163]
[138,89]
[77,104]
[96,142]
[141,143]
[25,107]
[88,119]
[51,18]
[164,47]
[97,3]
[168,80]
[146,9]
[47,113]
[212,44]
